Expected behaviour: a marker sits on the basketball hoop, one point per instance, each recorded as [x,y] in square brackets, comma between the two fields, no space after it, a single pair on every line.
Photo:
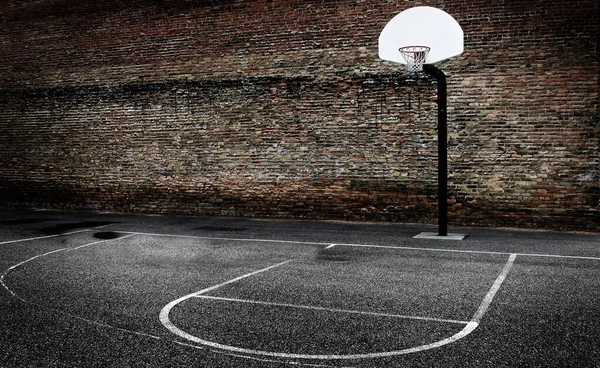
[414,57]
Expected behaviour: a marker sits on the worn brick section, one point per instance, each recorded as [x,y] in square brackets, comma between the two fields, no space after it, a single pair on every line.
[283,109]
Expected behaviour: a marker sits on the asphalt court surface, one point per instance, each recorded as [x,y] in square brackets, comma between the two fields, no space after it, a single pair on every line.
[97,290]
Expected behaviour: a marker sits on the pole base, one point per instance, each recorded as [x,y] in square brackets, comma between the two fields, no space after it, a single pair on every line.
[428,235]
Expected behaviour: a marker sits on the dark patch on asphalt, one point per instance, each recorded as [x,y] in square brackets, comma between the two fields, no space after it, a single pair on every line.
[62,228]
[334,254]
[221,228]
[25,221]
[106,235]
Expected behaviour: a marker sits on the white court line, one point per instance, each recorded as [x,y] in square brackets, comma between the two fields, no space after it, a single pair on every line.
[218,238]
[102,324]
[473,251]
[48,253]
[335,310]
[20,264]
[466,251]
[164,313]
[470,326]
[97,323]
[43,237]
[494,289]
[204,291]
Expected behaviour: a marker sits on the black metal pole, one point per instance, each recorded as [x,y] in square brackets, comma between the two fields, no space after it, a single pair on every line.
[442,147]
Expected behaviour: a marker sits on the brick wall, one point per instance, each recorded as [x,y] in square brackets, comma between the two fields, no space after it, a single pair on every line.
[283,109]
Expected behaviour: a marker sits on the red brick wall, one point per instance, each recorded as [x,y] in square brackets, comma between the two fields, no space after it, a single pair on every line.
[283,109]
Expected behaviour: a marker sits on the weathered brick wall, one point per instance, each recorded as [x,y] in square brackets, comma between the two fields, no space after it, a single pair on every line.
[282,109]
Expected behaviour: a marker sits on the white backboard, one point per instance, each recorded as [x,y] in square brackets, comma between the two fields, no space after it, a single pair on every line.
[422,26]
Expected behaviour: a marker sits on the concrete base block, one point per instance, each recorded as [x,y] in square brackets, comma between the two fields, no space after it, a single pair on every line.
[427,235]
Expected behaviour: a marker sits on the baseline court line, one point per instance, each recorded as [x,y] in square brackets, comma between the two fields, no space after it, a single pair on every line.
[218,238]
[366,246]
[43,237]
[335,310]
[473,251]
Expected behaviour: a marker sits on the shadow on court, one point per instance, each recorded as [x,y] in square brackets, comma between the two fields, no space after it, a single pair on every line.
[97,290]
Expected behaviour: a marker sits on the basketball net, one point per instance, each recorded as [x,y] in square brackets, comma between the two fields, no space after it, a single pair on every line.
[414,57]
